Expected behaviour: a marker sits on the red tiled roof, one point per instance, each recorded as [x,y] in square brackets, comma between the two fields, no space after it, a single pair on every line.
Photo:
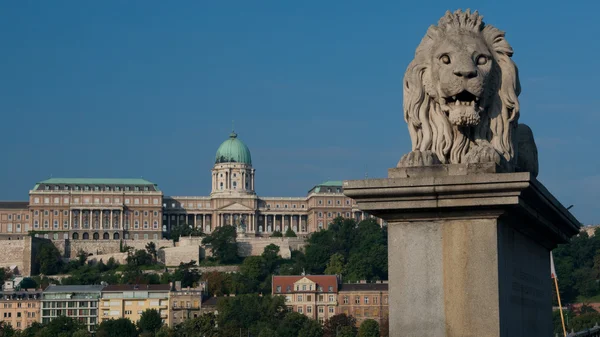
[285,281]
[139,287]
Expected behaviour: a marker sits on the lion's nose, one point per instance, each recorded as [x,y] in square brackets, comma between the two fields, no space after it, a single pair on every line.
[466,73]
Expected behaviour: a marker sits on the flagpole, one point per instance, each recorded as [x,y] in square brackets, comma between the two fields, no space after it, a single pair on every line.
[562,318]
[553,275]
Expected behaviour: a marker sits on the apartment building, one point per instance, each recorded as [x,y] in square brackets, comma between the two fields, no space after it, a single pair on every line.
[364,301]
[130,301]
[76,301]
[20,309]
[312,295]
[185,303]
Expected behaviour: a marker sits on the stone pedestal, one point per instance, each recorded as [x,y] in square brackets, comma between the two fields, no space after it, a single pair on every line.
[469,249]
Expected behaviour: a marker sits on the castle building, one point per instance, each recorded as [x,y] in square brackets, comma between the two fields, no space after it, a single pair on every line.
[114,209]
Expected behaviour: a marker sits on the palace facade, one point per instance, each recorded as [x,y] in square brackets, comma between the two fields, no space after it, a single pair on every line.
[105,209]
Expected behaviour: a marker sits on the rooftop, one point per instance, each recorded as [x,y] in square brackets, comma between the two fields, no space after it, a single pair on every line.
[58,182]
[364,287]
[137,287]
[323,281]
[14,204]
[329,183]
[73,288]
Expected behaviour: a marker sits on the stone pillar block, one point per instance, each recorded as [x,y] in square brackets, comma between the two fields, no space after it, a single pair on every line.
[469,249]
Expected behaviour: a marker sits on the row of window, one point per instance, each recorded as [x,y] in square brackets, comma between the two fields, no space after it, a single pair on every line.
[338,202]
[87,200]
[330,214]
[86,223]
[20,305]
[95,188]
[96,213]
[320,309]
[365,300]
[17,216]
[300,298]
[304,287]
[96,236]
[30,314]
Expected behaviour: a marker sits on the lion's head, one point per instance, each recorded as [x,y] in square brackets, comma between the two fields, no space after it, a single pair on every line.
[461,90]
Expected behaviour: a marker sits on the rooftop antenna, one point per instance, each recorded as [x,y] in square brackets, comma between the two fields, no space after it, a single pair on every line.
[232,125]
[366,172]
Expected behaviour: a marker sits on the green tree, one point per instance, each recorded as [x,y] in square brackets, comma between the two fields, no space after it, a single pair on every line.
[335,265]
[276,234]
[49,259]
[584,321]
[292,324]
[369,328]
[6,330]
[151,249]
[81,257]
[140,258]
[271,257]
[250,312]
[150,321]
[180,230]
[122,327]
[335,324]
[223,244]
[165,331]
[268,332]
[28,283]
[80,333]
[311,328]
[187,274]
[347,331]
[202,326]
[289,233]
[61,326]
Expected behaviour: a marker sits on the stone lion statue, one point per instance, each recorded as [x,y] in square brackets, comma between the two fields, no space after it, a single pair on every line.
[461,98]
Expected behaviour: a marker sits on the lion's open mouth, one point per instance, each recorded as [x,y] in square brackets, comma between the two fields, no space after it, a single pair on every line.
[463,98]
[462,109]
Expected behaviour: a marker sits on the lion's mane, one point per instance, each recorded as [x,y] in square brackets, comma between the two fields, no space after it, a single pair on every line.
[428,125]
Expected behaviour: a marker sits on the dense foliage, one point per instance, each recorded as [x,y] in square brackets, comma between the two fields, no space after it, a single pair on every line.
[578,268]
[223,244]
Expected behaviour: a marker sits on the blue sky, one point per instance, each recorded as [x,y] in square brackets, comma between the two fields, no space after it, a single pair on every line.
[149,88]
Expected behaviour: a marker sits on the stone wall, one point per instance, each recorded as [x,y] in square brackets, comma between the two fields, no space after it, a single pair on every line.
[11,253]
[21,254]
[173,256]
[119,257]
[256,246]
[70,248]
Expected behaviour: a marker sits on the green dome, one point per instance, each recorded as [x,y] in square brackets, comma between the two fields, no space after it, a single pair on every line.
[233,150]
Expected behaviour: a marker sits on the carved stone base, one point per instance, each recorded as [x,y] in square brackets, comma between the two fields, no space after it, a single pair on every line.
[468,249]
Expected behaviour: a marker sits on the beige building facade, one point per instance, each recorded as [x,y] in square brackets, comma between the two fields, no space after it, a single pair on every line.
[20,309]
[114,209]
[130,301]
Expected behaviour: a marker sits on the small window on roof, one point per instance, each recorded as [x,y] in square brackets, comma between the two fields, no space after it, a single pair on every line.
[146,188]
[87,188]
[66,188]
[56,187]
[330,288]
[117,188]
[96,188]
[107,188]
[137,188]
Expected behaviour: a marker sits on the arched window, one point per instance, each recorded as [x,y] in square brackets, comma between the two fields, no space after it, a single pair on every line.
[75,236]
[116,236]
[96,236]
[234,185]
[106,236]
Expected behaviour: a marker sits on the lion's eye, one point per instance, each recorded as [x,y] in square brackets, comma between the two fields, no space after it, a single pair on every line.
[445,58]
[481,60]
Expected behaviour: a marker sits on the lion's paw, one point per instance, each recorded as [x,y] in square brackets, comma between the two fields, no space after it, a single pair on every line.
[419,158]
[483,154]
